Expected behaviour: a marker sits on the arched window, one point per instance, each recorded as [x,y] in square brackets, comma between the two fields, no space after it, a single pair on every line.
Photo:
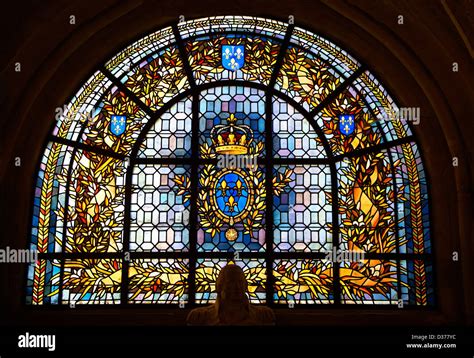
[231,139]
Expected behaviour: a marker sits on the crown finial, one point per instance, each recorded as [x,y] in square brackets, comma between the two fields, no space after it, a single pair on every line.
[231,138]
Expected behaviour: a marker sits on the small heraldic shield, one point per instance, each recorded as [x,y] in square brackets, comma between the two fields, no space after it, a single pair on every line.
[118,124]
[233,57]
[346,124]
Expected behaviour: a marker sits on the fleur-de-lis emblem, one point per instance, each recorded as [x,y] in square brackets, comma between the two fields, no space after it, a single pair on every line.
[231,204]
[238,53]
[233,57]
[238,187]
[223,188]
[233,64]
[118,124]
[346,124]
[227,54]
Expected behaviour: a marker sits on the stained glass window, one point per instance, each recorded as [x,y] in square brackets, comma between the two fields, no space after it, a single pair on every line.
[231,139]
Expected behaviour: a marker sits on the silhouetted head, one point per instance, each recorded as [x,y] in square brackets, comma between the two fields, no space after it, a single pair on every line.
[232,285]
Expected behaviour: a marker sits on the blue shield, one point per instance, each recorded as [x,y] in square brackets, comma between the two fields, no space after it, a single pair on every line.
[346,124]
[231,185]
[118,124]
[233,57]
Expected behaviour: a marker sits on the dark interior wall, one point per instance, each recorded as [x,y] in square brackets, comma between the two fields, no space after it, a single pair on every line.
[413,61]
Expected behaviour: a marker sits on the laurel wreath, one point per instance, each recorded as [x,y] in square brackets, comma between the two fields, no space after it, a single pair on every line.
[283,180]
[253,222]
[208,220]
[211,222]
[206,151]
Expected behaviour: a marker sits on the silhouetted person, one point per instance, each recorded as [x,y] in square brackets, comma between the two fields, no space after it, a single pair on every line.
[232,306]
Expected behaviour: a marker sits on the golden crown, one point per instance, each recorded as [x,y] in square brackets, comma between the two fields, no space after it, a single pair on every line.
[231,138]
